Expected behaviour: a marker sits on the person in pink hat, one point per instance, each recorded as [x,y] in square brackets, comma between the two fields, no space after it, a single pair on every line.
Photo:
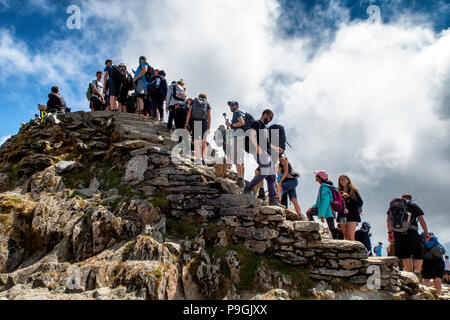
[322,208]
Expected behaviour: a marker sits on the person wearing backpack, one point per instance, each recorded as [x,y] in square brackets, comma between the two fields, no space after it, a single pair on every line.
[433,263]
[175,99]
[199,121]
[140,83]
[378,250]
[326,196]
[266,169]
[97,100]
[289,182]
[349,218]
[402,225]
[158,91]
[126,86]
[56,103]
[112,88]
[237,122]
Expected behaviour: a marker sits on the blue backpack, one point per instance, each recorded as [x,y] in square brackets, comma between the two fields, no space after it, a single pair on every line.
[433,248]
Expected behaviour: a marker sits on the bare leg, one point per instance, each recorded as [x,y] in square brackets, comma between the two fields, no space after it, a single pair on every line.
[297,206]
[407,265]
[198,149]
[418,265]
[113,103]
[438,285]
[351,228]
[344,230]
[204,149]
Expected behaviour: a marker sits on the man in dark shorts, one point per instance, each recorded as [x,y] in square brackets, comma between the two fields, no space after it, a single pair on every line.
[259,138]
[113,89]
[408,244]
[237,124]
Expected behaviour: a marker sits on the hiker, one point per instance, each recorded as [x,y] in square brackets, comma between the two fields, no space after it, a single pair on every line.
[403,230]
[433,266]
[289,182]
[221,132]
[56,103]
[158,91]
[97,98]
[378,250]
[237,122]
[175,98]
[447,269]
[125,87]
[266,169]
[140,83]
[323,208]
[363,235]
[112,88]
[199,121]
[349,218]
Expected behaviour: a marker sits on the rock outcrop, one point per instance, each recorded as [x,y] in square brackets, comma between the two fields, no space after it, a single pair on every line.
[94,208]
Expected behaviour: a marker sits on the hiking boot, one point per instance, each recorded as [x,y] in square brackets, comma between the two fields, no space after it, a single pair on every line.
[241,183]
[275,203]
[262,196]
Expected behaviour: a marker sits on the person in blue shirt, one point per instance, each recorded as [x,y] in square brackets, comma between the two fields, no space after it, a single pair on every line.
[322,208]
[140,83]
[378,250]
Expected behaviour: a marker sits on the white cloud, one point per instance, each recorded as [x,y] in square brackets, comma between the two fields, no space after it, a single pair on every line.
[3,139]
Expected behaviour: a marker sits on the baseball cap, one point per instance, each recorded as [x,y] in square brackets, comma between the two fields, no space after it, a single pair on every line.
[233,103]
[322,173]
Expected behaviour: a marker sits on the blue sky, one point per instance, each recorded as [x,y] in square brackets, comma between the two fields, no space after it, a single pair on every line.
[367,100]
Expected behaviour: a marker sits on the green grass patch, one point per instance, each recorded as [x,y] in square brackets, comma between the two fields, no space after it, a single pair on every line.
[158,273]
[182,228]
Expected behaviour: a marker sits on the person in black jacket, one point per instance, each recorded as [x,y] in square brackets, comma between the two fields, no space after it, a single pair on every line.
[158,91]
[363,235]
[350,218]
[55,102]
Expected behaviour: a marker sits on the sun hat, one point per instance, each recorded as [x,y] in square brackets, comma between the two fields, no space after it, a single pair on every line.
[322,173]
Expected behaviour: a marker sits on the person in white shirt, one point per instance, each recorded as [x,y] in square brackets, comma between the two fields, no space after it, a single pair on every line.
[98,98]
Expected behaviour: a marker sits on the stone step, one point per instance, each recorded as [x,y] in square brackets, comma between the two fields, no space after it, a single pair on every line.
[126,133]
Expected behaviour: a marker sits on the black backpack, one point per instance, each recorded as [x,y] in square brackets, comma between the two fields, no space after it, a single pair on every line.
[199,109]
[249,121]
[277,132]
[119,75]
[155,84]
[399,217]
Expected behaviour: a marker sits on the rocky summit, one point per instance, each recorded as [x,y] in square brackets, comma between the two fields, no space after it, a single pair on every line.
[93,207]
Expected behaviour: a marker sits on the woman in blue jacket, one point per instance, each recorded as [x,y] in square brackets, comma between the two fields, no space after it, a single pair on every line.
[322,208]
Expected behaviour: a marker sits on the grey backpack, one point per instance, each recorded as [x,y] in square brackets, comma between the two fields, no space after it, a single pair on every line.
[199,109]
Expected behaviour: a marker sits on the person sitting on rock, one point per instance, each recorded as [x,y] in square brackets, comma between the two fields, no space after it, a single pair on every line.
[322,208]
[56,103]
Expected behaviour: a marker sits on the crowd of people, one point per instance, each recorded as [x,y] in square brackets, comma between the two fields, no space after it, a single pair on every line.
[147,92]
